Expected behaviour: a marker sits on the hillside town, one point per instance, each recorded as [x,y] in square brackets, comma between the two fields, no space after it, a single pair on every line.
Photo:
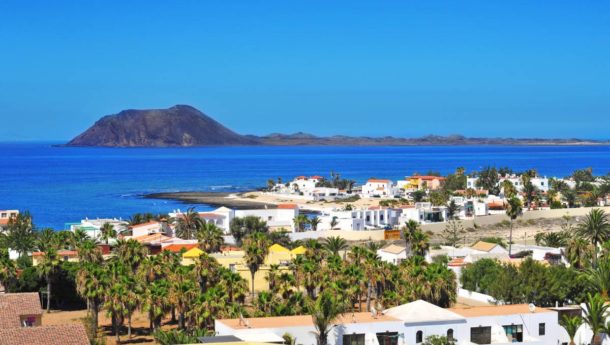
[331,262]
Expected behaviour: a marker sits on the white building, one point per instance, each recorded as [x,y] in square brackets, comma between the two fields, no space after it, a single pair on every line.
[540,182]
[424,213]
[393,254]
[361,219]
[92,226]
[412,323]
[377,188]
[148,228]
[281,217]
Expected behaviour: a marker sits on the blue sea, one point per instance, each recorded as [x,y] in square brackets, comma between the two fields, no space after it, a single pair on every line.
[60,185]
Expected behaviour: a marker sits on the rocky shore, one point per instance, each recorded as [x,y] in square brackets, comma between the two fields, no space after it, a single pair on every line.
[231,200]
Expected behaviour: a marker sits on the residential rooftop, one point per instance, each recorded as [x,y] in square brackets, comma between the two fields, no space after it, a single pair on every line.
[67,334]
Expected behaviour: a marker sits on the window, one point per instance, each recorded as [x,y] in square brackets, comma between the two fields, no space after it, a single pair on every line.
[450,334]
[419,337]
[381,217]
[480,335]
[388,338]
[541,328]
[270,218]
[514,333]
[353,339]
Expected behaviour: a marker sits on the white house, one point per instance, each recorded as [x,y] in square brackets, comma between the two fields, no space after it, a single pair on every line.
[392,253]
[6,215]
[377,188]
[412,323]
[281,217]
[423,212]
[361,219]
[148,228]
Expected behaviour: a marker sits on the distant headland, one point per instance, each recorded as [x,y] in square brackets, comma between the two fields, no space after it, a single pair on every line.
[185,126]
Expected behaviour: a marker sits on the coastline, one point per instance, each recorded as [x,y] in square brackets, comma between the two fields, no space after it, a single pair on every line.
[217,199]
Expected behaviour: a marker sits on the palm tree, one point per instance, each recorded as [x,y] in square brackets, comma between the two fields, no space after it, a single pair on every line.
[155,301]
[599,278]
[210,237]
[187,224]
[131,252]
[420,243]
[299,222]
[333,223]
[314,222]
[20,233]
[107,232]
[256,246]
[579,253]
[408,230]
[509,189]
[324,312]
[571,325]
[206,268]
[91,282]
[46,268]
[594,316]
[335,244]
[115,296]
[595,228]
[513,210]
[8,271]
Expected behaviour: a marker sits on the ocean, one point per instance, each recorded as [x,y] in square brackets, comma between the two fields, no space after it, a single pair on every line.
[60,184]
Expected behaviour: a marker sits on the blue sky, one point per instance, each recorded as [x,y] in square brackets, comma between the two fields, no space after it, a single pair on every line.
[478,68]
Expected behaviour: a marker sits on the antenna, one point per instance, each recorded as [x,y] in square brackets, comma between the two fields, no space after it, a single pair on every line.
[532,308]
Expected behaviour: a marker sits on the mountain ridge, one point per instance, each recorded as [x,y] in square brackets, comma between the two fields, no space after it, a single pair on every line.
[186,126]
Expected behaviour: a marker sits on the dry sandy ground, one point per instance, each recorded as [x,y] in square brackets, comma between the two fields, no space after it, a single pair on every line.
[139,325]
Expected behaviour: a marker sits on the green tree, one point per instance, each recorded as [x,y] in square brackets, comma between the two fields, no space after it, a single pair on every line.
[595,228]
[20,233]
[188,223]
[240,227]
[452,232]
[488,178]
[334,244]
[210,237]
[107,232]
[513,210]
[438,340]
[333,223]
[8,270]
[571,325]
[256,247]
[324,311]
[314,222]
[594,315]
[47,267]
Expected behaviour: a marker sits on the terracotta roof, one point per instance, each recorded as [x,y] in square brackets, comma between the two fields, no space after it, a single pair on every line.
[210,215]
[484,246]
[374,180]
[300,178]
[456,262]
[496,310]
[393,249]
[14,305]
[67,334]
[301,320]
[145,224]
[427,177]
[230,249]
[176,248]
[316,177]
[287,206]
[152,238]
[4,221]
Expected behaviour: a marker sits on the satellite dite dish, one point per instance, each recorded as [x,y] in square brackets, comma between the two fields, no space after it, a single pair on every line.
[532,308]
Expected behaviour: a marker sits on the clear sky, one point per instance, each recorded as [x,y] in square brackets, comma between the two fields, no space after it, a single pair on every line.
[404,68]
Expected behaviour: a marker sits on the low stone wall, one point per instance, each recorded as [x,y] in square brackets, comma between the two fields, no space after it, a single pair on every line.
[527,215]
[368,235]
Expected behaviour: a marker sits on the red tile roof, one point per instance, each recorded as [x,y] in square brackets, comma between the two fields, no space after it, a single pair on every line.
[316,177]
[15,305]
[152,238]
[176,248]
[67,334]
[145,224]
[427,177]
[287,206]
[374,180]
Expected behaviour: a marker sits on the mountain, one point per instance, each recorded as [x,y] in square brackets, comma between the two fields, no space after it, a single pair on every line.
[183,125]
[180,125]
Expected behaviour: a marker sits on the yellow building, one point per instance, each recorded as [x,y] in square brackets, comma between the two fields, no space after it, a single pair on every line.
[235,261]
